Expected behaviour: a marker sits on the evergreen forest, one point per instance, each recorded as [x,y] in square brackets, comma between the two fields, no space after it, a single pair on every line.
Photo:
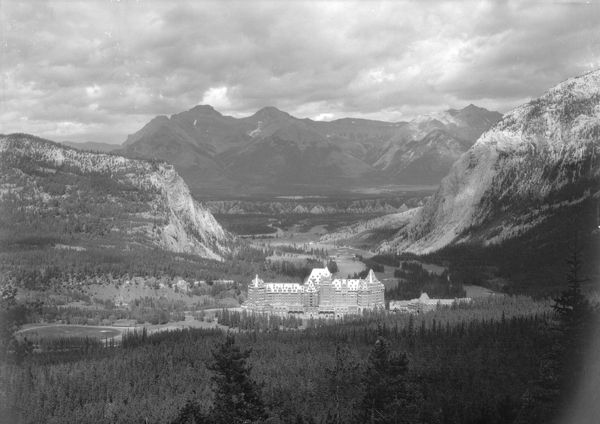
[505,359]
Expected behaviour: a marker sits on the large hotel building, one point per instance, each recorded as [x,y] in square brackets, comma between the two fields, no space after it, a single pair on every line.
[319,296]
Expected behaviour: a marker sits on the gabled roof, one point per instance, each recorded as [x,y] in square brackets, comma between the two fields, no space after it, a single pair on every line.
[317,274]
[371,278]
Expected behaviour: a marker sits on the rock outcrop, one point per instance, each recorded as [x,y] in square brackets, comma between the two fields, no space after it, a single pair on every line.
[169,217]
[539,158]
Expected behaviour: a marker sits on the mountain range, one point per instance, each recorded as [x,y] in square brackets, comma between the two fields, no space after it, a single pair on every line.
[527,186]
[521,187]
[272,152]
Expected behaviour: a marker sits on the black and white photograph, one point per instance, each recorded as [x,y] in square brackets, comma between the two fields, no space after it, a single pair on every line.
[299,212]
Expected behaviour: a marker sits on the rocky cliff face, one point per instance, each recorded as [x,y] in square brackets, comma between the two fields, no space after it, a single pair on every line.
[191,228]
[152,205]
[539,160]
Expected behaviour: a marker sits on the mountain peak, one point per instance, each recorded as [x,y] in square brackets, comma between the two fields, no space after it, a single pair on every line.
[271,112]
[581,85]
[571,105]
[205,110]
[471,108]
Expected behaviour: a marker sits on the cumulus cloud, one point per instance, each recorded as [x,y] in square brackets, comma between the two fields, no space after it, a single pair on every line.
[99,70]
[323,117]
[217,98]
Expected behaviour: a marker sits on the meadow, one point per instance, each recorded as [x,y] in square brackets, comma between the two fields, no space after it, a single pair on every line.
[64,330]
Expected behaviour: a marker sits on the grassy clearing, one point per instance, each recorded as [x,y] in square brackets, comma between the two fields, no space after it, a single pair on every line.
[64,330]
[116,331]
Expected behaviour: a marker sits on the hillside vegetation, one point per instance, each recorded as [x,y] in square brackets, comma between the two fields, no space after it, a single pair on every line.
[494,348]
[71,217]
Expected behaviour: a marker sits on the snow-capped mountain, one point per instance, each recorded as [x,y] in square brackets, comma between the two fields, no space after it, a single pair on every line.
[537,163]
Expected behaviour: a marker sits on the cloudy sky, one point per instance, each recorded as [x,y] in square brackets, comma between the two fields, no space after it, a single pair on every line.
[97,71]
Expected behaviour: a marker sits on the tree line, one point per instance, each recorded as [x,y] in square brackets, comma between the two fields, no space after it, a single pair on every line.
[417,280]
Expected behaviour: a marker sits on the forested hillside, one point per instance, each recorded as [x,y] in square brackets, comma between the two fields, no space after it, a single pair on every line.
[71,216]
[65,196]
[469,364]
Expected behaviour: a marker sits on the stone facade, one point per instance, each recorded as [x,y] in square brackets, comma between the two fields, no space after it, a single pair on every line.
[319,296]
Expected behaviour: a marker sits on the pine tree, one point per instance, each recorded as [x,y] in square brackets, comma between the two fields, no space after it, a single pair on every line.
[576,316]
[572,306]
[560,367]
[237,396]
[388,397]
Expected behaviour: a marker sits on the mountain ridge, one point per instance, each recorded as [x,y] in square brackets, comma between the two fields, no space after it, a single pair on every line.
[266,151]
[540,153]
[80,189]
